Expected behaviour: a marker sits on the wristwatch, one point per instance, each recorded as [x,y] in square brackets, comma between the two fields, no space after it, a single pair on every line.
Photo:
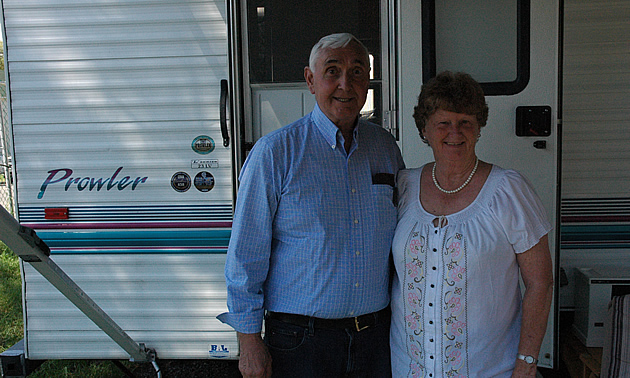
[528,359]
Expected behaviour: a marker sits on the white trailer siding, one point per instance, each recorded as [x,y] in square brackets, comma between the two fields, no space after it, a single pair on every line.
[97,85]
[595,157]
[169,302]
[107,100]
[596,100]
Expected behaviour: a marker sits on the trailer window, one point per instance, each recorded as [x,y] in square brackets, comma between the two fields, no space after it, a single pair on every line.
[281,34]
[488,39]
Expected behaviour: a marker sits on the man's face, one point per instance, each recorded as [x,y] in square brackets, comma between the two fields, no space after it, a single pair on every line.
[340,82]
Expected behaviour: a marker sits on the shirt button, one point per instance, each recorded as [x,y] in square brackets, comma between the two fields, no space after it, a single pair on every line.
[354,190]
[434,268]
[356,284]
[333,146]
[358,253]
[434,249]
[356,221]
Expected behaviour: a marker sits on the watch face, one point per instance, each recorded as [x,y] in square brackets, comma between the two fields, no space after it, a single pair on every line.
[528,359]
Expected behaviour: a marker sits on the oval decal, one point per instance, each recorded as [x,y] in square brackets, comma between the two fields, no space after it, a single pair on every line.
[203,145]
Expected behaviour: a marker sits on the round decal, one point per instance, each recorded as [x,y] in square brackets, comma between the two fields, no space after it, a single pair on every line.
[204,181]
[203,144]
[180,182]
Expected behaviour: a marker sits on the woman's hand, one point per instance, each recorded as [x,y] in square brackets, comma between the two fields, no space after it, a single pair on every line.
[523,369]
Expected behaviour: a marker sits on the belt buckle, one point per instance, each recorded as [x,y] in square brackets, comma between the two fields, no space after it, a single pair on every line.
[356,323]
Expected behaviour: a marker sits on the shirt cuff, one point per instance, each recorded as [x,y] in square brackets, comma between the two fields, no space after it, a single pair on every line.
[243,323]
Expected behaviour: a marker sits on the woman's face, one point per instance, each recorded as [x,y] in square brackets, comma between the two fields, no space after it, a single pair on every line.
[452,136]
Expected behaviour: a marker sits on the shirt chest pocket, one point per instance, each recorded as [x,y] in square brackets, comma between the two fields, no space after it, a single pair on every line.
[384,199]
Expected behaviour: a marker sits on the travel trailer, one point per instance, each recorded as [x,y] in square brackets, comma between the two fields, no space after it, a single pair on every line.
[129,121]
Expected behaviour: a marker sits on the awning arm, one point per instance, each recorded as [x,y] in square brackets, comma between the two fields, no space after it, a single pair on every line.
[25,243]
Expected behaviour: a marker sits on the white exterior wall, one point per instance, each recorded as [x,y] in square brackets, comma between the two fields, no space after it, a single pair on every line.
[595,156]
[98,85]
[596,100]
[168,301]
[95,86]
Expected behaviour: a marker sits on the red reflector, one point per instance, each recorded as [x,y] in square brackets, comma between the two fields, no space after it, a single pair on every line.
[56,213]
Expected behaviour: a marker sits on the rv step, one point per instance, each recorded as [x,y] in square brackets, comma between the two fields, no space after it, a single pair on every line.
[14,364]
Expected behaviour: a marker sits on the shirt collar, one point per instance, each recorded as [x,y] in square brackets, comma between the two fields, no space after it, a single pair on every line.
[329,130]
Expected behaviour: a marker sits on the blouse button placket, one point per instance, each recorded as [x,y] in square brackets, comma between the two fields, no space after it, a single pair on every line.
[431,308]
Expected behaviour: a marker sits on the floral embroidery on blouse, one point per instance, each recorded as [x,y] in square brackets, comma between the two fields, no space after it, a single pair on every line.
[453,346]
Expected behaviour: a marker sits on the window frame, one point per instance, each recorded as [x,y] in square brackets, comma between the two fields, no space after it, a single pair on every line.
[500,88]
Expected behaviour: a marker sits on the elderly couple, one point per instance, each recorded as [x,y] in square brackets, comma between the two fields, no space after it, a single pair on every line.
[325,208]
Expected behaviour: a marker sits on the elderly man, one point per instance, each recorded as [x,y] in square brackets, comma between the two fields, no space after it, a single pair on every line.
[312,231]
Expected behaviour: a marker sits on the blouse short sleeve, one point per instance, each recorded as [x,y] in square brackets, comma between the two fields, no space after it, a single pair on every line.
[519,210]
[407,192]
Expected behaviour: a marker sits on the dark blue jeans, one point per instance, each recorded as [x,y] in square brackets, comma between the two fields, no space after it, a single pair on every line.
[310,352]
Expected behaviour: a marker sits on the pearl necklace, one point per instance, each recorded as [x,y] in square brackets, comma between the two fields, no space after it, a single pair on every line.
[461,187]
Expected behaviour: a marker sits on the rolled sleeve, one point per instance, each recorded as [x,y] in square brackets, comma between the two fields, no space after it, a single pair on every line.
[247,262]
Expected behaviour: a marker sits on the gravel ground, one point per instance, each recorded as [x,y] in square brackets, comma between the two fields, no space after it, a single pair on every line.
[190,369]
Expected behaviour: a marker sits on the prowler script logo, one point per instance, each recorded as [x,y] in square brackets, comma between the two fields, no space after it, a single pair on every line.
[59,176]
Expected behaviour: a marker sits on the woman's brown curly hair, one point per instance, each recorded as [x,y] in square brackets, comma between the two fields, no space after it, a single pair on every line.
[454,92]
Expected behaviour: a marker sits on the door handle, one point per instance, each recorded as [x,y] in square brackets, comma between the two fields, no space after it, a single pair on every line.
[223,113]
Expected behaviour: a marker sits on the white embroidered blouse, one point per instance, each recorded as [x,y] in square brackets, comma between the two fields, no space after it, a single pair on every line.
[456,300]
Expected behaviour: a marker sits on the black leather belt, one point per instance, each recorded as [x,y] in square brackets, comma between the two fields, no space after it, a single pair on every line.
[358,323]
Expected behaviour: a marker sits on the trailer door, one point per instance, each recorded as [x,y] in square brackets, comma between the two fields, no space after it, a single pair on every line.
[277,37]
[511,47]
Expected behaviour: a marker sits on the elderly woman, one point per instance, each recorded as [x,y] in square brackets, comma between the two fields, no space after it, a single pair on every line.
[465,230]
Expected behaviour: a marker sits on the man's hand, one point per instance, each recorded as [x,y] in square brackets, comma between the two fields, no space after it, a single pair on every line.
[255,360]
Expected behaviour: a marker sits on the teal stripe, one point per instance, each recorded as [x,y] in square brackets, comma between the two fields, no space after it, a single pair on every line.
[595,236]
[137,240]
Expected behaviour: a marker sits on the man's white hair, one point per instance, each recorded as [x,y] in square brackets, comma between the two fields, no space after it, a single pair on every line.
[334,41]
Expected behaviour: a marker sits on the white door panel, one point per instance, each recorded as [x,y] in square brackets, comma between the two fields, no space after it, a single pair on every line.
[499,143]
[277,107]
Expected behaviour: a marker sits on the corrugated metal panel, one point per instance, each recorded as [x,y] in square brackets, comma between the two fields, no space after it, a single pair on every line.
[170,302]
[107,100]
[596,101]
[106,84]
[595,157]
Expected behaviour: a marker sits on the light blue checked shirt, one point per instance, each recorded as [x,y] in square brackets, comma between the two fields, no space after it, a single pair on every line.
[312,233]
